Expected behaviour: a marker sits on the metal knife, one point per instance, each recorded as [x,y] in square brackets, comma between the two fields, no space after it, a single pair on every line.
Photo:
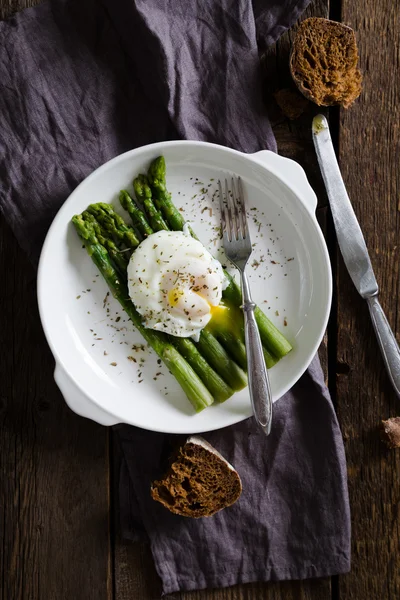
[353,248]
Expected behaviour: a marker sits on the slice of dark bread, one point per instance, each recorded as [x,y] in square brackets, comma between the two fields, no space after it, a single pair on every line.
[324,62]
[199,482]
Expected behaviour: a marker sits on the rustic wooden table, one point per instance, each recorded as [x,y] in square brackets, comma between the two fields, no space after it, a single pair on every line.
[59,535]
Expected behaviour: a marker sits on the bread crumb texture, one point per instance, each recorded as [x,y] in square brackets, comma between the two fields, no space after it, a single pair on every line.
[199,482]
[324,62]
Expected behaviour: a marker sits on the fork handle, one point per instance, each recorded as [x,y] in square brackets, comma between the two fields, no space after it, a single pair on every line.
[259,386]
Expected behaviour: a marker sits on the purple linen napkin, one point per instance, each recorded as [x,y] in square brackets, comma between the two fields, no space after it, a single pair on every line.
[83,82]
[291,521]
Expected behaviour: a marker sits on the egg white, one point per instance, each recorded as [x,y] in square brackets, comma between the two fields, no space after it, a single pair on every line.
[174,282]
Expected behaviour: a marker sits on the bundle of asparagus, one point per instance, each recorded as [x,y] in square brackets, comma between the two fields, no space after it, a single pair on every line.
[212,368]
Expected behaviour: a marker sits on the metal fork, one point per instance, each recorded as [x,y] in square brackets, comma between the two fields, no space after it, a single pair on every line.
[238,249]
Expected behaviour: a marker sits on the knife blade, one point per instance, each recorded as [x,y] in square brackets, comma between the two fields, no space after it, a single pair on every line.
[348,231]
[353,248]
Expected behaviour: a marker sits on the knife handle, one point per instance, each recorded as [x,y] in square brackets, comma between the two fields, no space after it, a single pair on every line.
[387,342]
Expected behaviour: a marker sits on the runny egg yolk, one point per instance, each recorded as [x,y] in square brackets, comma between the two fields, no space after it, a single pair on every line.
[219,313]
[225,318]
[221,318]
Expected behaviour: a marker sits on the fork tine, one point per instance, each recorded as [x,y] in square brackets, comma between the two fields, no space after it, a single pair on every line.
[236,218]
[242,203]
[228,199]
[222,207]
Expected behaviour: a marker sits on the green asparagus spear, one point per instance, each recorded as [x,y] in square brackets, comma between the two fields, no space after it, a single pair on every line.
[273,340]
[114,224]
[162,198]
[214,353]
[235,347]
[138,217]
[217,356]
[118,258]
[190,382]
[229,330]
[219,389]
[144,195]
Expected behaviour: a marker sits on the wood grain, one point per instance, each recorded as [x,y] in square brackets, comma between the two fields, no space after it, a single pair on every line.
[318,589]
[369,153]
[54,532]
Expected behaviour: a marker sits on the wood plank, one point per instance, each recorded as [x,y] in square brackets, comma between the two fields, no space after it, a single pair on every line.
[135,575]
[54,525]
[317,589]
[369,158]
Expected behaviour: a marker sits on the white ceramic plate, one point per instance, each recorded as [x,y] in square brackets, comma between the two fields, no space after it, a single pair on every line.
[95,347]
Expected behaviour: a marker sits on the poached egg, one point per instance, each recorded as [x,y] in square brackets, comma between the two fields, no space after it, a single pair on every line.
[175,283]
